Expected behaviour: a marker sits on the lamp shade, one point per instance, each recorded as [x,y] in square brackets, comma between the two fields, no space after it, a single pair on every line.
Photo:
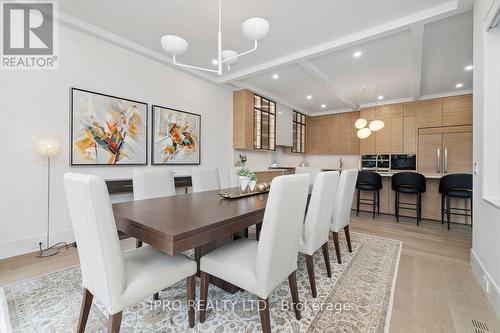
[255,28]
[364,133]
[360,123]
[174,45]
[227,54]
[48,147]
[376,125]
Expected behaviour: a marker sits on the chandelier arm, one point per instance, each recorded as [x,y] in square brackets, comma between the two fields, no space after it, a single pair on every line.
[193,67]
[242,54]
[219,41]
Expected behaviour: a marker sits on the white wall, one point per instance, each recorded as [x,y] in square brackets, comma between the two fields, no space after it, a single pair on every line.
[35,104]
[485,253]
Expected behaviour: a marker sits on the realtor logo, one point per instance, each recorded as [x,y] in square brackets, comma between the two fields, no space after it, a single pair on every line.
[29,35]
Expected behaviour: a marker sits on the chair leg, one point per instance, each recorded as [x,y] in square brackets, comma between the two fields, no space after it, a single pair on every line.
[138,243]
[205,277]
[471,214]
[396,206]
[442,208]
[358,197]
[337,246]
[348,237]
[310,272]
[265,319]
[191,295]
[326,255]
[85,310]
[448,213]
[114,323]
[292,280]
[374,197]
[417,206]
[378,202]
[245,232]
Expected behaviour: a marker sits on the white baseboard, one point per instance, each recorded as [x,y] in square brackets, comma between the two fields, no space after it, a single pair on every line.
[27,245]
[484,279]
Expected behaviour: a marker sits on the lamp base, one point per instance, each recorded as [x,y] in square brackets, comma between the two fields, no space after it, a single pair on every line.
[50,251]
[47,252]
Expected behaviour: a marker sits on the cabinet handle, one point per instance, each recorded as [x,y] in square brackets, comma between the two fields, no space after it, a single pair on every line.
[438,160]
[446,160]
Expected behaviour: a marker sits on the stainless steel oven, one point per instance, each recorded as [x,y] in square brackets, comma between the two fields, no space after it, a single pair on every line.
[404,162]
[376,162]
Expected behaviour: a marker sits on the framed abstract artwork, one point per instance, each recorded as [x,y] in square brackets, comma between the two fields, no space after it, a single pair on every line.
[176,137]
[107,130]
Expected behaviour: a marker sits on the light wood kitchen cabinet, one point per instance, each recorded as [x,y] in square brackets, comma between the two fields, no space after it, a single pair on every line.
[383,137]
[410,128]
[349,141]
[457,110]
[332,134]
[445,149]
[397,135]
[243,119]
[430,113]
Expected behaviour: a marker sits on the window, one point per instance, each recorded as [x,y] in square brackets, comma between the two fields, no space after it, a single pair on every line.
[264,124]
[299,133]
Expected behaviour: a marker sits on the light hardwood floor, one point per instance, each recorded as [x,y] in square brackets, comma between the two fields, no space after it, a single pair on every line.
[435,288]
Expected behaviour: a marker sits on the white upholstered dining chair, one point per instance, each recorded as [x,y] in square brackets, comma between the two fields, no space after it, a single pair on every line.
[204,179]
[342,209]
[312,171]
[260,266]
[117,279]
[153,183]
[316,228]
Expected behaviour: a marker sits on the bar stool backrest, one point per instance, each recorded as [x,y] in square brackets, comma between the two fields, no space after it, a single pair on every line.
[457,181]
[369,178]
[409,179]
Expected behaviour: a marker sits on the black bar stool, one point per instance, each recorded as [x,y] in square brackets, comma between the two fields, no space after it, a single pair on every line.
[370,182]
[457,185]
[409,183]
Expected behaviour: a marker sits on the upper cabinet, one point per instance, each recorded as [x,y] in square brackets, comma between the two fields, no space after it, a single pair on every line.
[284,126]
[299,133]
[449,111]
[254,121]
[332,134]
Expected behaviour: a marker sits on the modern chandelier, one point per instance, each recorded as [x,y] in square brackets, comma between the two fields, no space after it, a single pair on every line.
[254,29]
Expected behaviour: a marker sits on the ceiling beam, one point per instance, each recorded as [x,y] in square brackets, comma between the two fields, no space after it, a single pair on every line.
[417,51]
[432,14]
[317,74]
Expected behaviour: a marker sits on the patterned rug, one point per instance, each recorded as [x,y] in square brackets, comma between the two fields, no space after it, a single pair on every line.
[358,298]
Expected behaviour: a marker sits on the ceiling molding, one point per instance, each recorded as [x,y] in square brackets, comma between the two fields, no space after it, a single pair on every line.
[417,46]
[435,13]
[390,101]
[277,99]
[325,113]
[447,94]
[318,75]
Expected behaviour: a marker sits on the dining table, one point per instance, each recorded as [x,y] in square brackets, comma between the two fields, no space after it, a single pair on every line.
[202,221]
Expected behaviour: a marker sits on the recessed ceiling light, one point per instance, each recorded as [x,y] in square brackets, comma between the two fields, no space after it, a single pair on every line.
[309,97]
[357,54]
[214,62]
[276,76]
[323,106]
[459,85]
[380,97]
[469,68]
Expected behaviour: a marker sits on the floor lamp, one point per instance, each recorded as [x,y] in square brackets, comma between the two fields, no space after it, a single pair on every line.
[48,148]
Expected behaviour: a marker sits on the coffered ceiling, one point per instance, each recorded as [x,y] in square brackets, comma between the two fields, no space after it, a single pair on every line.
[409,48]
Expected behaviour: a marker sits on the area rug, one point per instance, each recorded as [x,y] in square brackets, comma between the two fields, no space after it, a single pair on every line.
[358,298]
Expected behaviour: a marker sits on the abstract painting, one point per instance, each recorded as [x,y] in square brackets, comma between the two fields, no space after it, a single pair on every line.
[176,136]
[107,130]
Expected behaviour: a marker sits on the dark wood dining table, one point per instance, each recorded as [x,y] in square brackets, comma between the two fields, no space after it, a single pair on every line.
[202,221]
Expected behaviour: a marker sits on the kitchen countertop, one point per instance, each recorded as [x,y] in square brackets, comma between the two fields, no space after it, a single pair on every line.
[426,175]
